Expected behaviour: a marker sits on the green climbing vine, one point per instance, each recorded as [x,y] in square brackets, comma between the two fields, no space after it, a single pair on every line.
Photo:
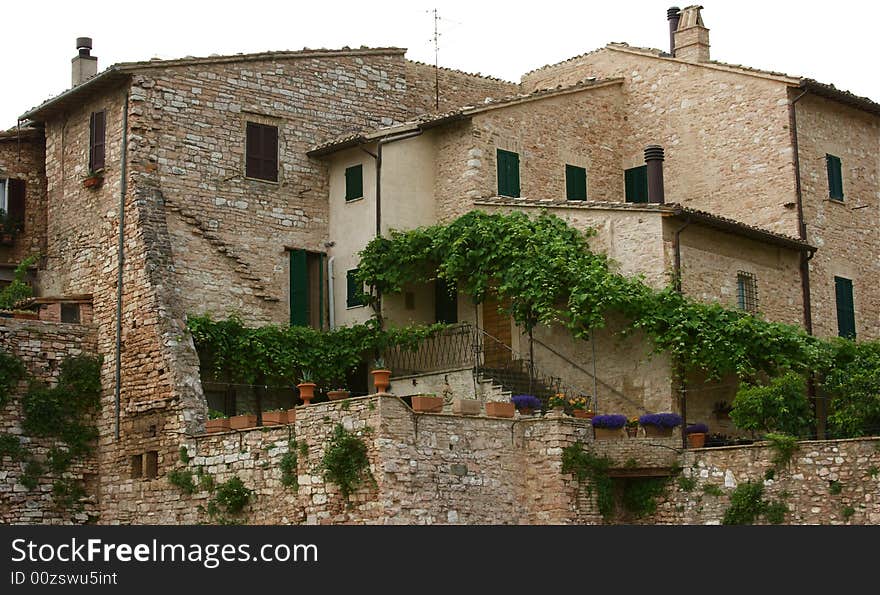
[585,465]
[288,466]
[345,461]
[747,506]
[11,373]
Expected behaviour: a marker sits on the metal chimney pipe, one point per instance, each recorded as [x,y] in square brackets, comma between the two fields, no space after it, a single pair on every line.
[654,156]
[673,15]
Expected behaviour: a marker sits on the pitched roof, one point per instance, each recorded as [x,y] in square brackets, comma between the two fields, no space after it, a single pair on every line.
[669,209]
[351,139]
[116,73]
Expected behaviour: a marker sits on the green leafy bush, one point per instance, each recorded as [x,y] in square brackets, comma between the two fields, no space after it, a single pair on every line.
[183,480]
[232,495]
[853,385]
[18,290]
[11,373]
[345,461]
[781,406]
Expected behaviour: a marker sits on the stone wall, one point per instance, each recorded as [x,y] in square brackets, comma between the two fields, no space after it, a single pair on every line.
[41,347]
[457,88]
[839,228]
[23,157]
[725,131]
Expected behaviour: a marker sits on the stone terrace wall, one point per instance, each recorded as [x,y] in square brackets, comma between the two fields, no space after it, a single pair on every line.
[41,346]
[24,159]
[807,485]
[457,89]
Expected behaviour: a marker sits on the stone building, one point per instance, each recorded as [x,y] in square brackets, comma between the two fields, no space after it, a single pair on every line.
[247,184]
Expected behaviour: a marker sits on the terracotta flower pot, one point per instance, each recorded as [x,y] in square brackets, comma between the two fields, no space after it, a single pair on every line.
[696,440]
[26,315]
[306,391]
[608,433]
[527,411]
[213,426]
[427,404]
[92,182]
[275,418]
[382,380]
[336,395]
[657,431]
[499,409]
[583,414]
[243,422]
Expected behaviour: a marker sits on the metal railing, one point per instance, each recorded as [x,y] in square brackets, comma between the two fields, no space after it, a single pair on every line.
[449,349]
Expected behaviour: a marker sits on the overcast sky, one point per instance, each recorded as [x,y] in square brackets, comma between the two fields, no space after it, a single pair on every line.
[834,42]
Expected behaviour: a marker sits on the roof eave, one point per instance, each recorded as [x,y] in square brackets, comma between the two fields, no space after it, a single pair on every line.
[103,81]
[739,229]
[835,94]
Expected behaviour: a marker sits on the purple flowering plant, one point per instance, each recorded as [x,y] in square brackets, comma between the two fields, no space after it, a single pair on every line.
[526,402]
[697,429]
[612,422]
[663,420]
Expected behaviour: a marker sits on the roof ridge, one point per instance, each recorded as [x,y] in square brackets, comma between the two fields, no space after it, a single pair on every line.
[471,74]
[546,66]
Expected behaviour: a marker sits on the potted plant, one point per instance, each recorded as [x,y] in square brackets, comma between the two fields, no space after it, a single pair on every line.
[558,403]
[428,403]
[217,422]
[337,394]
[608,427]
[526,404]
[659,424]
[500,409]
[306,387]
[8,228]
[580,407]
[275,417]
[243,421]
[632,427]
[381,375]
[696,434]
[93,179]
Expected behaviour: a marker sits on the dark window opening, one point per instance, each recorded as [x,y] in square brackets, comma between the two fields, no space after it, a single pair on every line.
[508,174]
[575,183]
[747,292]
[409,300]
[137,466]
[835,177]
[151,464]
[261,160]
[97,133]
[354,290]
[307,291]
[636,183]
[354,182]
[846,312]
[445,302]
[70,313]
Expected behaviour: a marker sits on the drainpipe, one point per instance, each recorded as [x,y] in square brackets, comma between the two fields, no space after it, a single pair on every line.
[331,299]
[120,260]
[679,371]
[805,259]
[377,156]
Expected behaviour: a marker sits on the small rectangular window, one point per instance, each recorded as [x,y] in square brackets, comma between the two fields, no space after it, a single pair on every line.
[261,159]
[575,183]
[354,182]
[636,184]
[70,313]
[97,132]
[354,292]
[846,312]
[137,466]
[835,177]
[747,292]
[508,174]
[151,464]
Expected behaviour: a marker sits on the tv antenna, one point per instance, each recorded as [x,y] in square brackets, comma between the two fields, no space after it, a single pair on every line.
[436,40]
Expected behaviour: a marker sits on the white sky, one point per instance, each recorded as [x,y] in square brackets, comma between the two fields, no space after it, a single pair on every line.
[833,42]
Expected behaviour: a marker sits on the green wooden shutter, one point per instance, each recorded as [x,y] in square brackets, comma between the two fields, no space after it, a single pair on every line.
[846,313]
[835,177]
[354,182]
[508,173]
[575,183]
[636,183]
[299,289]
[354,290]
[445,303]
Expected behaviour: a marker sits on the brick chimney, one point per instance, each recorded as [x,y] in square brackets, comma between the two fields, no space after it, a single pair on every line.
[84,66]
[691,37]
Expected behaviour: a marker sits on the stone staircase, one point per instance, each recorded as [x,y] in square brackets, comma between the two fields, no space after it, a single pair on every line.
[512,380]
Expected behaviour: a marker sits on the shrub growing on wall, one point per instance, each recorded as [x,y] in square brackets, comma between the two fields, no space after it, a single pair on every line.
[780,406]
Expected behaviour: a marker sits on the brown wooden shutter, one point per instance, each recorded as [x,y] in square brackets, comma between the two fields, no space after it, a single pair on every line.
[97,129]
[261,159]
[17,191]
[270,153]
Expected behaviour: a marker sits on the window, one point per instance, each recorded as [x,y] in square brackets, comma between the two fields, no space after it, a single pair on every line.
[137,466]
[70,313]
[835,177]
[307,289]
[354,290]
[747,292]
[445,302]
[354,182]
[636,183]
[12,195]
[508,174]
[261,160]
[151,464]
[575,183]
[846,312]
[97,130]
